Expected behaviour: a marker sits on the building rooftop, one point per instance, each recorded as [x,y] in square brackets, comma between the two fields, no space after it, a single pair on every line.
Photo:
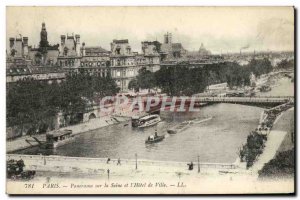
[95,50]
[124,41]
[177,46]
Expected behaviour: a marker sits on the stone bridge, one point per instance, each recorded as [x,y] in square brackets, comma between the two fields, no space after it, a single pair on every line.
[265,101]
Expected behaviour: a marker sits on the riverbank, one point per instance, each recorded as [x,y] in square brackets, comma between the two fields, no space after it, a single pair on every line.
[279,133]
[25,142]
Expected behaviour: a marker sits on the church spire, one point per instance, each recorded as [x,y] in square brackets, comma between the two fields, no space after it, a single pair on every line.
[44,41]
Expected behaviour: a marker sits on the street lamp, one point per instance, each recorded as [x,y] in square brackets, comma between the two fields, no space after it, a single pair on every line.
[136,161]
[198,156]
[198,164]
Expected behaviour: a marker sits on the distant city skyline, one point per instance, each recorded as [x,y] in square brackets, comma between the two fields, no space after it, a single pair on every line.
[220,29]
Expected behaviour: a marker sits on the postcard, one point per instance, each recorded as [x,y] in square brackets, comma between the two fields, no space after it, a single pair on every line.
[150,100]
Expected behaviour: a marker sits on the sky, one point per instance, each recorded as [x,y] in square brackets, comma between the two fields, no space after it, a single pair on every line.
[220,29]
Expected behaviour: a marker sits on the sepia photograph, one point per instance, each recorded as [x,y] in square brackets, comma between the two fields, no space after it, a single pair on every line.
[150,100]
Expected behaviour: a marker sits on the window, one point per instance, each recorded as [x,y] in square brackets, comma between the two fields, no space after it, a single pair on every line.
[65,51]
[118,49]
[118,73]
[128,49]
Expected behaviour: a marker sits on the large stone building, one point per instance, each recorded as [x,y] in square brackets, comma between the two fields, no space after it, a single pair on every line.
[17,54]
[122,63]
[73,57]
[44,54]
[24,62]
[45,74]
[76,58]
[95,60]
[151,55]
[125,64]
[203,51]
[69,53]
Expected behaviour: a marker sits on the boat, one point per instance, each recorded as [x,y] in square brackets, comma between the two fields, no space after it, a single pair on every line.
[154,139]
[148,120]
[180,127]
[198,121]
[265,88]
[184,125]
[58,138]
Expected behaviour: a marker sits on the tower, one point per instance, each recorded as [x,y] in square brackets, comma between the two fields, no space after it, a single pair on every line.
[168,38]
[44,40]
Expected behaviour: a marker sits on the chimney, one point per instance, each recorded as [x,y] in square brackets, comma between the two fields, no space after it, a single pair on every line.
[25,46]
[83,49]
[63,39]
[166,38]
[11,42]
[19,47]
[170,38]
[77,39]
[62,44]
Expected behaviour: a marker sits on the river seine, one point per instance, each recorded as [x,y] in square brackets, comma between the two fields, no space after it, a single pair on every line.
[216,140]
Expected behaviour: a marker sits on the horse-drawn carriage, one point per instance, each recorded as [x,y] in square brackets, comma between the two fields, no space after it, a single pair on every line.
[15,170]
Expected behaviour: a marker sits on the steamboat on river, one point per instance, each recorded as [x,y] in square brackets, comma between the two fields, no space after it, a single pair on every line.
[145,121]
[58,138]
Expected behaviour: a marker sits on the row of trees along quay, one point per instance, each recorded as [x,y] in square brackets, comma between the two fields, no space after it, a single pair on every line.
[255,144]
[183,80]
[37,103]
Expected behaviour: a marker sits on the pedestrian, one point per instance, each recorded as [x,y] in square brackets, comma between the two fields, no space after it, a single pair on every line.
[191,166]
[155,133]
[119,161]
[108,173]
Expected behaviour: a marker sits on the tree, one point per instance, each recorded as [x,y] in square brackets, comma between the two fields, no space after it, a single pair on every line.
[261,66]
[36,103]
[145,79]
[133,84]
[285,64]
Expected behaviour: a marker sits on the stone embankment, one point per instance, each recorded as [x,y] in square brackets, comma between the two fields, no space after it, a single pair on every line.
[28,141]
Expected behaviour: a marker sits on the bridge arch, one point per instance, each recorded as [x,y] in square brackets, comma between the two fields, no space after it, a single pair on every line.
[92,116]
